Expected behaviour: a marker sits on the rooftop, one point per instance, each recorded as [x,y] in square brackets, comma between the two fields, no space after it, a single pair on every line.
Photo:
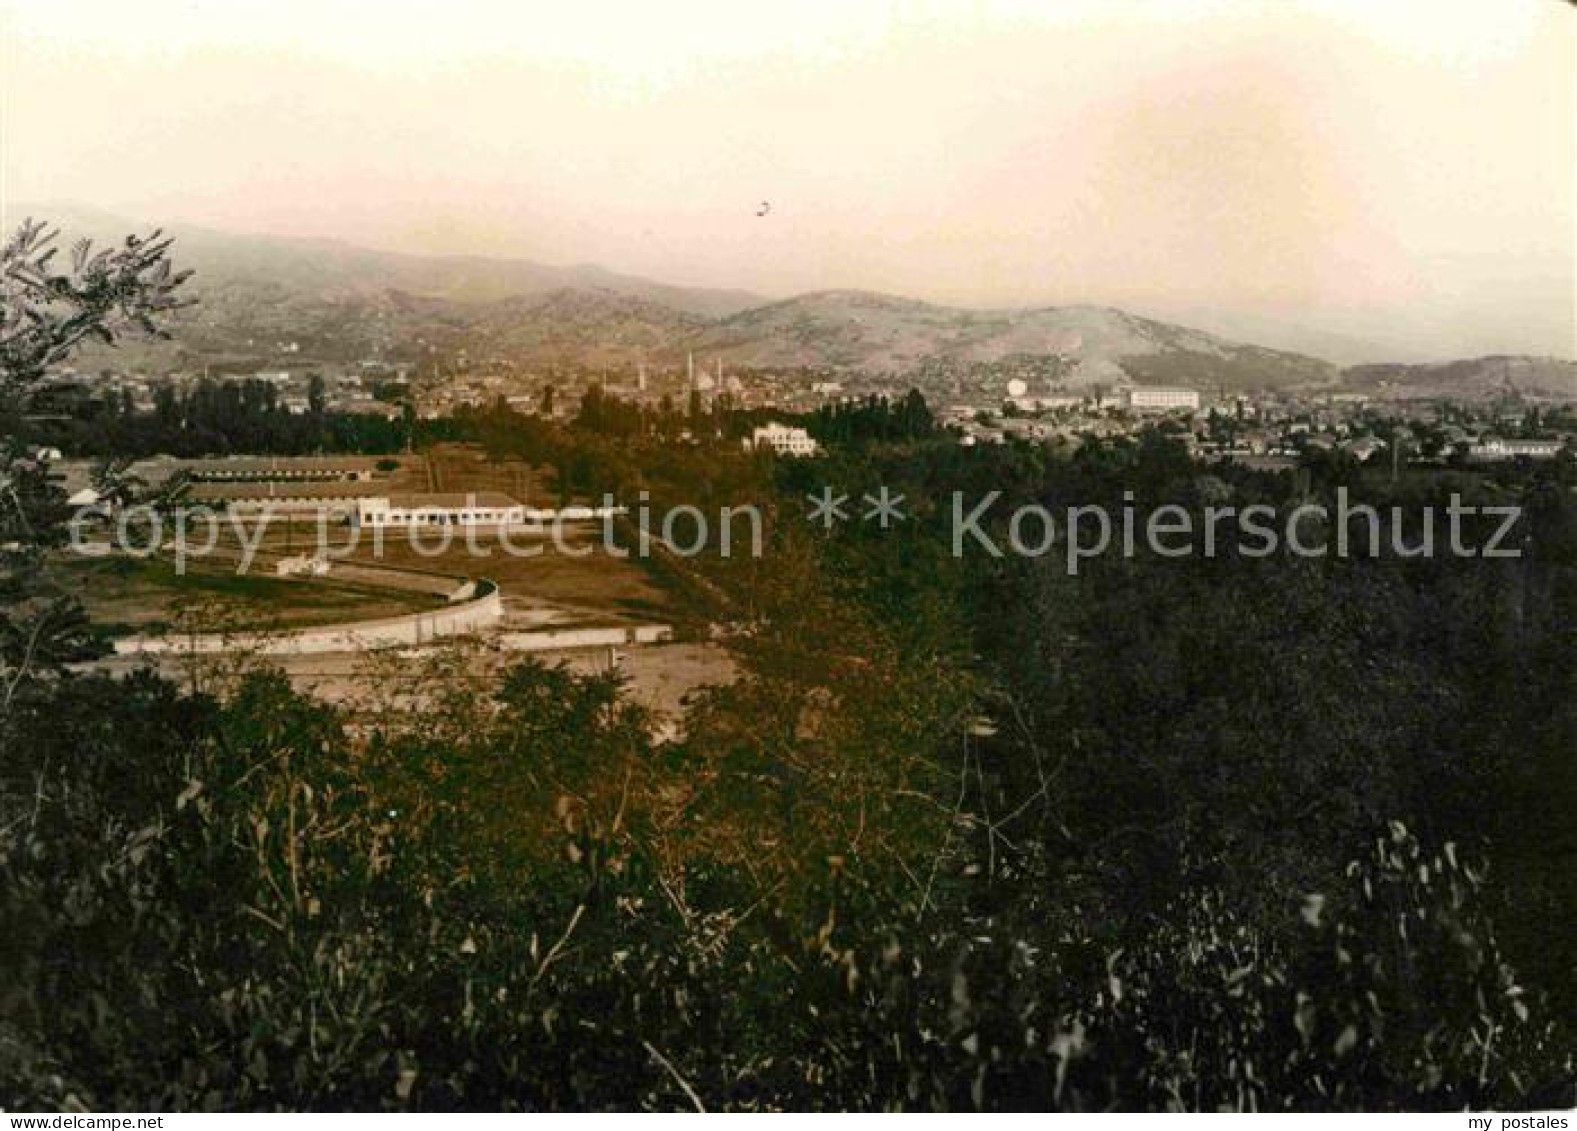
[248,492]
[284,465]
[453,501]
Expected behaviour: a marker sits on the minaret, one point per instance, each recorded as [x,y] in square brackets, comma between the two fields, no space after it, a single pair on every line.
[640,380]
[689,364]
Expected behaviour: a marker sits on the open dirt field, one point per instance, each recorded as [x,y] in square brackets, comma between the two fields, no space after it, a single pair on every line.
[464,467]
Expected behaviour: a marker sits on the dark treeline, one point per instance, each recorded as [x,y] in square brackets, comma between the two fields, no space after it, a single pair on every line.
[1247,721]
[245,415]
[873,419]
[619,447]
[216,417]
[616,446]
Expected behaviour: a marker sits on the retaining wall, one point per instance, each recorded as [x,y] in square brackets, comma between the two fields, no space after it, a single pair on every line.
[482,611]
[570,639]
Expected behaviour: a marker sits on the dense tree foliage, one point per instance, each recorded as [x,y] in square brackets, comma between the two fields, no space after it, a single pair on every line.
[46,314]
[219,417]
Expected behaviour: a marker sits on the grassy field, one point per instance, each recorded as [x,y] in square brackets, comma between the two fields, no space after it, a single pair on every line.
[597,585]
[126,594]
[464,467]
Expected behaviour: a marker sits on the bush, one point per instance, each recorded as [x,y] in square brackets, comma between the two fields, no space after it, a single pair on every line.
[231,905]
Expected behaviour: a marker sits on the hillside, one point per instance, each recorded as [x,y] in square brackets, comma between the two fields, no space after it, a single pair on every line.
[332,271]
[1468,379]
[274,301]
[858,330]
[589,327]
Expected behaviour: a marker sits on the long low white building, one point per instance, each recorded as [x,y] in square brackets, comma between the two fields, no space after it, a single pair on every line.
[1158,398]
[1494,448]
[486,508]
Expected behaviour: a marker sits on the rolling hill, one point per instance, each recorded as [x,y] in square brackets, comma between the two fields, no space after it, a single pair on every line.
[1476,378]
[330,270]
[275,301]
[863,331]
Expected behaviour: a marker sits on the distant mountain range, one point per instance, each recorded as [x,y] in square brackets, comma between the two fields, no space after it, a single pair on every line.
[275,301]
[333,270]
[859,330]
[1469,379]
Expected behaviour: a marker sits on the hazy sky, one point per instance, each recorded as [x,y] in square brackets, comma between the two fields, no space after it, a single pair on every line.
[1399,172]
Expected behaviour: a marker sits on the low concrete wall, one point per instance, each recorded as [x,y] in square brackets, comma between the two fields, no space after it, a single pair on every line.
[483,611]
[571,639]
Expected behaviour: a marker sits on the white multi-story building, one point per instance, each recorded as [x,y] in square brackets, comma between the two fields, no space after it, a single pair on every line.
[785,439]
[1156,398]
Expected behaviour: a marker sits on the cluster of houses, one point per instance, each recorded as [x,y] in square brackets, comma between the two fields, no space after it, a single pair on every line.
[1272,429]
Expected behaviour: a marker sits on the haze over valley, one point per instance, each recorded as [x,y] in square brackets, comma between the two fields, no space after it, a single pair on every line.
[269,300]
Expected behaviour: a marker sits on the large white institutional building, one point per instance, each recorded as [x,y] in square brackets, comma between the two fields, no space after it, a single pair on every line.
[1156,398]
[785,439]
